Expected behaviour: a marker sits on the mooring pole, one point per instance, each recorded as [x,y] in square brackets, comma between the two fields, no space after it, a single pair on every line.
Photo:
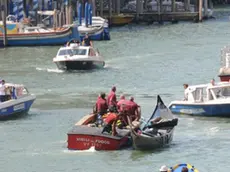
[3,9]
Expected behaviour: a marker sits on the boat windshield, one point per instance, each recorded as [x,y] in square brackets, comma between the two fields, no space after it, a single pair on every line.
[72,52]
[199,95]
[221,92]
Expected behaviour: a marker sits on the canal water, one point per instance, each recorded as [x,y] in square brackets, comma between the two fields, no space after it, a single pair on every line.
[142,61]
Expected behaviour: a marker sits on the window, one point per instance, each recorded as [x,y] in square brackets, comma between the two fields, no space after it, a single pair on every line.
[199,94]
[65,52]
[79,51]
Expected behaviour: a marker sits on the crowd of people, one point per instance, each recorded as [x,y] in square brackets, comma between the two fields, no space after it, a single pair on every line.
[109,109]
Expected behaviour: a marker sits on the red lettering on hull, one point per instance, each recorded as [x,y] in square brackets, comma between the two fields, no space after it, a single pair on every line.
[84,142]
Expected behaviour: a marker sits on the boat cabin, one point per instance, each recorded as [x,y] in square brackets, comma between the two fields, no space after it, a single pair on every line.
[208,92]
[75,50]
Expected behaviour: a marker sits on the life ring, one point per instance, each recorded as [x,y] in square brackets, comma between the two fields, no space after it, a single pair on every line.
[178,168]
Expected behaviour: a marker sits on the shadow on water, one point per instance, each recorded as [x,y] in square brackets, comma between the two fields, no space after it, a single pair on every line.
[19,116]
[139,154]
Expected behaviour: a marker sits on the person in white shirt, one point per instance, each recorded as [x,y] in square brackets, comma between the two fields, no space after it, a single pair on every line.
[185,92]
[2,91]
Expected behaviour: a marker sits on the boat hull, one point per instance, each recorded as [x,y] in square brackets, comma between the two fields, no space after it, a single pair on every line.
[40,39]
[217,110]
[83,138]
[15,107]
[79,65]
[146,142]
[121,20]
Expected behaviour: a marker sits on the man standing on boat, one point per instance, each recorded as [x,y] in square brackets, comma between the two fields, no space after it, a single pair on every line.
[2,91]
[134,110]
[86,41]
[185,92]
[112,98]
[101,108]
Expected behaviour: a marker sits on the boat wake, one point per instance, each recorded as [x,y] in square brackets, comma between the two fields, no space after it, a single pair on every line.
[50,70]
[212,131]
[92,149]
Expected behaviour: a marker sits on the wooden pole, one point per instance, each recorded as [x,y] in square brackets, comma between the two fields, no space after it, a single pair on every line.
[94,7]
[137,10]
[188,7]
[159,11]
[200,10]
[205,8]
[141,7]
[55,19]
[173,6]
[110,10]
[70,14]
[101,8]
[118,6]
[114,4]
[3,9]
[66,14]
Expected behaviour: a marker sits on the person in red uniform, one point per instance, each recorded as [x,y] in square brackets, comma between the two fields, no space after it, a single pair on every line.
[124,109]
[112,98]
[120,103]
[109,120]
[101,104]
[101,108]
[134,110]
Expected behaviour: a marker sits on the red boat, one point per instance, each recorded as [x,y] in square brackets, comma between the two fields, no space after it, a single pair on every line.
[224,72]
[83,137]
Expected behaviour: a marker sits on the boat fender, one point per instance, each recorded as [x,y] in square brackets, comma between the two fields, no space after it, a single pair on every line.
[178,168]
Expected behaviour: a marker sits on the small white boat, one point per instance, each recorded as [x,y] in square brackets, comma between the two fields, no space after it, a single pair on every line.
[205,100]
[75,57]
[18,102]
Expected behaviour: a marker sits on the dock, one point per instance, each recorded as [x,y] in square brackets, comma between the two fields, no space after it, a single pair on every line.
[157,11]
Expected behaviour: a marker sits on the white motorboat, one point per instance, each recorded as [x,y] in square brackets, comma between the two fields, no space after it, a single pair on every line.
[18,101]
[76,57]
[205,100]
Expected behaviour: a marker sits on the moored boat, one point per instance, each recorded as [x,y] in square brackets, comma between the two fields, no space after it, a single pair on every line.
[121,19]
[83,136]
[76,57]
[18,102]
[156,134]
[205,100]
[19,34]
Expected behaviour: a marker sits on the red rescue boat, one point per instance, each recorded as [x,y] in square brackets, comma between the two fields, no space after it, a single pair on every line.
[83,137]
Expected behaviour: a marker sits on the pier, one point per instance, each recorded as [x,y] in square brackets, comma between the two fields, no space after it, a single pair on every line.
[156,11]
